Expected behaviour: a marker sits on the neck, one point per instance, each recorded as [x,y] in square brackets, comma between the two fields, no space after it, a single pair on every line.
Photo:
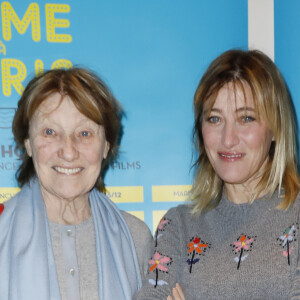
[240,193]
[66,211]
[237,194]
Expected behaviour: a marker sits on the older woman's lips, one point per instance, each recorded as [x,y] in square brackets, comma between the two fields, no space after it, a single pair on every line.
[231,157]
[67,171]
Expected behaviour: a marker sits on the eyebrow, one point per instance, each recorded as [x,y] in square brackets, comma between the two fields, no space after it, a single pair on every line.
[247,108]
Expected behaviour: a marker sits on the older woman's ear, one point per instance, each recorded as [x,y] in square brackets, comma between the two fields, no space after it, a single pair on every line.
[106,149]
[28,147]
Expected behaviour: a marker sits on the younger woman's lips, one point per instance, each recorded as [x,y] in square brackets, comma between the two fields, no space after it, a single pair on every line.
[231,157]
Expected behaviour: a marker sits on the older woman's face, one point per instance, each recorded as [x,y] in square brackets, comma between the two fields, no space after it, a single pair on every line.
[66,147]
[236,143]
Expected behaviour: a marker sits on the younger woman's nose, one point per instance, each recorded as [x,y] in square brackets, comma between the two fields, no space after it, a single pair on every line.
[230,136]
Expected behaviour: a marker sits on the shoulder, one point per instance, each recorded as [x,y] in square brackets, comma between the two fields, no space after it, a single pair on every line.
[139,230]
[142,239]
[180,213]
[134,224]
[297,200]
[176,225]
[294,206]
[181,209]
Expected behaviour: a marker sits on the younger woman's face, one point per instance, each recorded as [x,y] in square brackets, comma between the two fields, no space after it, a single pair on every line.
[236,142]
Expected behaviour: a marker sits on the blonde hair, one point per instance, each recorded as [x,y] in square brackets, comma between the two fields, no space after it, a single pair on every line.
[272,101]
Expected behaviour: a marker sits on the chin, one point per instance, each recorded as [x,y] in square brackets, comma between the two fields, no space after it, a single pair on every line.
[233,179]
[70,194]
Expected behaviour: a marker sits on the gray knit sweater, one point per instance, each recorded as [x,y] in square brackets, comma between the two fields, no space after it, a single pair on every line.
[231,252]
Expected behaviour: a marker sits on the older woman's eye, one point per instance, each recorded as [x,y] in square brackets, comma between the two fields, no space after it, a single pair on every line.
[49,131]
[85,133]
[213,119]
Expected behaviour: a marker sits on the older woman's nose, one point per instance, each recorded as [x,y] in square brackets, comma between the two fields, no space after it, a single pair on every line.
[230,136]
[68,150]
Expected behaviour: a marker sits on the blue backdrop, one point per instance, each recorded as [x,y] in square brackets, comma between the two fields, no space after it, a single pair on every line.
[152,54]
[287,45]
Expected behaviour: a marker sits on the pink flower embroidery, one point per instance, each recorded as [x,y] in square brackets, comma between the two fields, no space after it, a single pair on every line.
[243,243]
[286,240]
[158,263]
[163,222]
[161,227]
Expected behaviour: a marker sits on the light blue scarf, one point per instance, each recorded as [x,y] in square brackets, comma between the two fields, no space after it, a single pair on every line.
[27,267]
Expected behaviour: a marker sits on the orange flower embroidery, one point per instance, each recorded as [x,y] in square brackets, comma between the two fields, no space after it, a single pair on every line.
[196,247]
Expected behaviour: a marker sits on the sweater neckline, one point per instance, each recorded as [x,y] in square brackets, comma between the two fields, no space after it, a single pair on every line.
[229,209]
[82,225]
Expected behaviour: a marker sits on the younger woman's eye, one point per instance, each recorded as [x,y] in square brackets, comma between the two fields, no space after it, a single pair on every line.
[49,131]
[213,119]
[247,119]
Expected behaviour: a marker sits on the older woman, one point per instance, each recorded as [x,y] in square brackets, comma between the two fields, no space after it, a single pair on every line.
[239,238]
[61,238]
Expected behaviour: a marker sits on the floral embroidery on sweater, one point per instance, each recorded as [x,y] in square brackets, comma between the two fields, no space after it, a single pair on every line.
[242,244]
[157,263]
[161,227]
[287,239]
[196,247]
